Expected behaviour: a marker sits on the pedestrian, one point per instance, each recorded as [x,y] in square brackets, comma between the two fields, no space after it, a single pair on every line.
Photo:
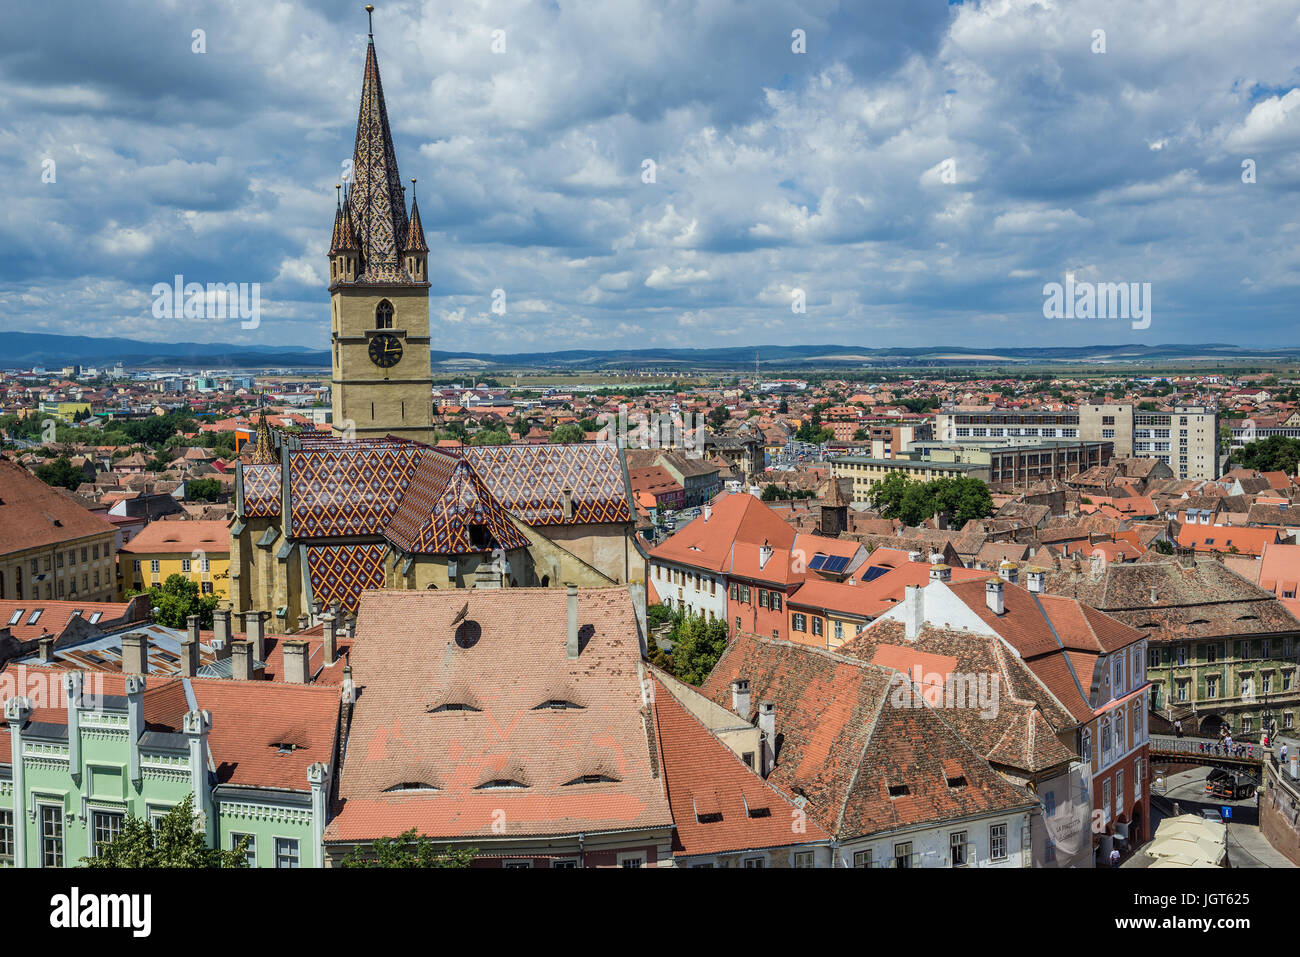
[1282,759]
[1178,728]
[1114,857]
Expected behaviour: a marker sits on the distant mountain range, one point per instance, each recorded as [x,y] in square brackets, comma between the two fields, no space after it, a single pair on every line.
[24,350]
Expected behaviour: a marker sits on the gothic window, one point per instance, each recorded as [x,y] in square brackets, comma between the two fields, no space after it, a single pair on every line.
[384,315]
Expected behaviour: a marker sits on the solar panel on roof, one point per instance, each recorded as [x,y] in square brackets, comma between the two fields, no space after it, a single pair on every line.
[818,562]
[874,572]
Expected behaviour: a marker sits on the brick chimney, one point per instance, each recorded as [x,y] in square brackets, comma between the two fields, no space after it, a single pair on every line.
[1035,578]
[241,660]
[135,657]
[940,573]
[1008,572]
[255,632]
[295,662]
[46,645]
[571,641]
[993,596]
[740,697]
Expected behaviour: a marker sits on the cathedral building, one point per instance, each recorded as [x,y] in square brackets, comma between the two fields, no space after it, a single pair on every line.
[319,518]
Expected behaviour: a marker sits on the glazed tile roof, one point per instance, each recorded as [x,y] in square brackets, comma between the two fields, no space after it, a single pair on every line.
[529,480]
[376,200]
[444,499]
[261,490]
[452,733]
[340,573]
[844,746]
[350,489]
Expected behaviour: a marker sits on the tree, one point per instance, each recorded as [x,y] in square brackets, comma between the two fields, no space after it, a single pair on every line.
[1277,453]
[491,437]
[176,599]
[173,843]
[61,473]
[913,501]
[409,850]
[718,416]
[783,408]
[203,490]
[697,646]
[568,433]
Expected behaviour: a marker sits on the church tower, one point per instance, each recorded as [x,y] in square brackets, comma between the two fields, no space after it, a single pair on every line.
[379,288]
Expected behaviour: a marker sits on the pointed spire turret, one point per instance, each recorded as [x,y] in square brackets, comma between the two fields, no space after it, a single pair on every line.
[375,202]
[415,234]
[264,451]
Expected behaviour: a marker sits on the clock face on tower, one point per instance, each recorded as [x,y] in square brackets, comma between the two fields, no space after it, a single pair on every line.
[385,350]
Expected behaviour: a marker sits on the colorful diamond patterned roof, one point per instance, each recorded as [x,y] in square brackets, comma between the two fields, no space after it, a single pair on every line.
[352,489]
[340,573]
[262,490]
[444,499]
[529,480]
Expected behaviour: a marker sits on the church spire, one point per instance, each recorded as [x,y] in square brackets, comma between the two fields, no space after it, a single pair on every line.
[263,452]
[415,235]
[375,203]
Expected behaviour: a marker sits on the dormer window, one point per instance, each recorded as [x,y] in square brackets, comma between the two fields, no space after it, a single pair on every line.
[384,315]
[501,784]
[558,704]
[454,706]
[957,781]
[286,747]
[410,786]
[592,779]
[899,790]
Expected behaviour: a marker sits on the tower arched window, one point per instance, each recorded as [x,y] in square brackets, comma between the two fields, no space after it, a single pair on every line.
[384,315]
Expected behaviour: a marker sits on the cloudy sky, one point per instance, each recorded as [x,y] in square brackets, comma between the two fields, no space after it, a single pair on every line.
[919,171]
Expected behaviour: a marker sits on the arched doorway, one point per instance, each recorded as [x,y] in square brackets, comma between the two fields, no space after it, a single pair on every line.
[1135,828]
[1210,725]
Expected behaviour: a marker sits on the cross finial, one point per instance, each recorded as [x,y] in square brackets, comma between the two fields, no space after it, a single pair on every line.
[370,18]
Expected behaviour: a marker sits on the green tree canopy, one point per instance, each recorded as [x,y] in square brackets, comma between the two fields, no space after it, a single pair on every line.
[490,437]
[409,850]
[697,646]
[567,433]
[203,490]
[912,501]
[61,473]
[176,599]
[173,843]
[1277,453]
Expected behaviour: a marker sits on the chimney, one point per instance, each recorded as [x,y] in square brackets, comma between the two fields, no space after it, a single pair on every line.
[1153,594]
[764,554]
[295,662]
[221,632]
[936,558]
[914,556]
[331,642]
[708,512]
[486,575]
[740,697]
[135,657]
[571,642]
[1035,578]
[241,660]
[190,655]
[302,622]
[940,573]
[254,632]
[46,645]
[993,596]
[1009,572]
[192,628]
[913,610]
[767,736]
